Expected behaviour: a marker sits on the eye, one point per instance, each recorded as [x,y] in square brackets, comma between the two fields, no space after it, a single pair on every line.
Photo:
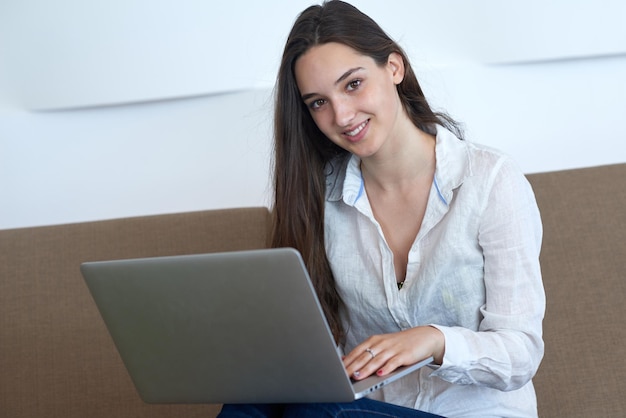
[316,104]
[354,84]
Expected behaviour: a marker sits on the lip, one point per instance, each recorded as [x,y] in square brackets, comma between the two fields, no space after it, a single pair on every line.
[356,133]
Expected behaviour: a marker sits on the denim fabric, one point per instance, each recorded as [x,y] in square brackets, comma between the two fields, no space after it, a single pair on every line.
[363,408]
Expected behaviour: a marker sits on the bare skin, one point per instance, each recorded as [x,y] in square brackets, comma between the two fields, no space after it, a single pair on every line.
[355,104]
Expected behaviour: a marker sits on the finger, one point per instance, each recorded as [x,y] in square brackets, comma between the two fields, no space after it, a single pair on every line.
[381,363]
[356,357]
[366,363]
[389,366]
[356,366]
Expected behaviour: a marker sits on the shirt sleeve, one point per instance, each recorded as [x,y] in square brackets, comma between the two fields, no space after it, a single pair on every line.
[506,350]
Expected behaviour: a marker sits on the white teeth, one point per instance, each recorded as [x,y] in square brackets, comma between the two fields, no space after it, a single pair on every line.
[357,130]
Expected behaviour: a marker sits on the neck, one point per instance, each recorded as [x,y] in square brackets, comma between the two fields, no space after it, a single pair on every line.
[411,158]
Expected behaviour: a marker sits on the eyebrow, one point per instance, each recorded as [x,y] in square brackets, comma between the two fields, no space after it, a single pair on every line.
[339,80]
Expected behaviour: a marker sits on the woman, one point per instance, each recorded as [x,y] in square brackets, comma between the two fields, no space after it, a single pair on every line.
[418,243]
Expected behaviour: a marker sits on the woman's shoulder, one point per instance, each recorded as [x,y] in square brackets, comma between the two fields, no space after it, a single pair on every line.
[464,159]
[488,157]
[494,169]
[475,165]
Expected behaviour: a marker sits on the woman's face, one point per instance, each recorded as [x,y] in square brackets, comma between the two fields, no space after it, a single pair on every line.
[352,99]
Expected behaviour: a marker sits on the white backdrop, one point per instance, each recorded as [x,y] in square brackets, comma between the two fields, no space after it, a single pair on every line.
[126,108]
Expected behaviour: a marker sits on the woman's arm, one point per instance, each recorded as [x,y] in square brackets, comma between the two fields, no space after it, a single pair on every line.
[506,350]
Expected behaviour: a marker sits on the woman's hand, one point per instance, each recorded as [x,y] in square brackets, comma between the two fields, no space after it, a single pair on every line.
[382,354]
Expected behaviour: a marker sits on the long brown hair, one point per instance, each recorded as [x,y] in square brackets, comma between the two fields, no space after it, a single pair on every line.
[302,153]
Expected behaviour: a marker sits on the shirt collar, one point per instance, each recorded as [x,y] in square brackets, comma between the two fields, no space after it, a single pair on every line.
[335,176]
[453,166]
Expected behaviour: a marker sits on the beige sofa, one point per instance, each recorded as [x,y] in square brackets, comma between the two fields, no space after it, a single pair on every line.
[57,359]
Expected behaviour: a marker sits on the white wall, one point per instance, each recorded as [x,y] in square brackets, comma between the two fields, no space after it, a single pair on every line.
[171,156]
[125,108]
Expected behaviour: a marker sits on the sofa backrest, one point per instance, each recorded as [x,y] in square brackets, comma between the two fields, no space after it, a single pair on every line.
[56,356]
[583,261]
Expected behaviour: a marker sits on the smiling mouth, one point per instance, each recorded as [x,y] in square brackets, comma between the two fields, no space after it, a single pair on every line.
[357,130]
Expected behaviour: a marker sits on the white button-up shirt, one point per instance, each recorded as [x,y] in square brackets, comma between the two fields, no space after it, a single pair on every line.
[473,272]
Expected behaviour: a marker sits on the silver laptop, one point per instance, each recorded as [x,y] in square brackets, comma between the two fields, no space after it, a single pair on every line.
[235,327]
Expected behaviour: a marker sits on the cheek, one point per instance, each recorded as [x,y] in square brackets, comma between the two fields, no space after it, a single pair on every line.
[325,124]
[386,97]
[322,120]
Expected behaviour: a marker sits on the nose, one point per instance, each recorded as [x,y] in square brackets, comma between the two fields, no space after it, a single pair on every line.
[344,112]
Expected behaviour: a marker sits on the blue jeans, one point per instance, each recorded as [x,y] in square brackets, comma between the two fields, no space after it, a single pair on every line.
[363,408]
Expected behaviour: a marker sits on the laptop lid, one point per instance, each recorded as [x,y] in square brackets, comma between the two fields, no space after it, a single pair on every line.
[236,327]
